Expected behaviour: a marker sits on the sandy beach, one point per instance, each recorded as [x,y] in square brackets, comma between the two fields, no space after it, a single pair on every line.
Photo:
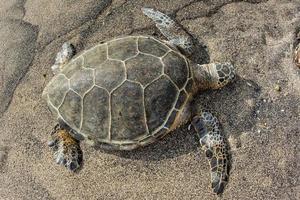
[259,111]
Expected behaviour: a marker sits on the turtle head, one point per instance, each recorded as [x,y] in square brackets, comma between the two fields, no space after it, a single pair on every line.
[213,75]
[223,73]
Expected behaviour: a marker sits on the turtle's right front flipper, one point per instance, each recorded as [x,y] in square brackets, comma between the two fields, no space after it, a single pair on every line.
[171,30]
[215,147]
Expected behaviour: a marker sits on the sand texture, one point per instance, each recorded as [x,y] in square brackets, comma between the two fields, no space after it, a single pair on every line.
[259,112]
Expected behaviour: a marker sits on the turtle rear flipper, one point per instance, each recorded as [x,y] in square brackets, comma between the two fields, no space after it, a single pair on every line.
[66,149]
[65,54]
[215,147]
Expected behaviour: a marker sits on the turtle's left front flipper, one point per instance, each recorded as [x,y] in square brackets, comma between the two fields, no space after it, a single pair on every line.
[171,30]
[215,147]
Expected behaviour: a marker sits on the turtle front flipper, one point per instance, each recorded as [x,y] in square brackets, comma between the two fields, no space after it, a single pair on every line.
[215,147]
[176,35]
[66,149]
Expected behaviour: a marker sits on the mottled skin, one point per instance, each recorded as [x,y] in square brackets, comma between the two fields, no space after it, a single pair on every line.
[215,146]
[129,92]
[63,144]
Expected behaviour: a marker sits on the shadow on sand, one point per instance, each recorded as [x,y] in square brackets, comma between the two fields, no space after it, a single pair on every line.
[236,116]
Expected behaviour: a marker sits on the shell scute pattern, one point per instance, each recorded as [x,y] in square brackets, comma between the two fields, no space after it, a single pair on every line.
[174,68]
[159,99]
[117,51]
[189,87]
[82,80]
[110,74]
[127,120]
[181,99]
[73,67]
[134,88]
[171,119]
[150,46]
[95,56]
[71,108]
[96,121]
[57,89]
[143,68]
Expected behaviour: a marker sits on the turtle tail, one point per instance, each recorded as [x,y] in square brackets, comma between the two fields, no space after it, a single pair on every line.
[216,149]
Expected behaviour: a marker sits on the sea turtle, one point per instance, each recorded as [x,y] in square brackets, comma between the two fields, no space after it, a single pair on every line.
[130,91]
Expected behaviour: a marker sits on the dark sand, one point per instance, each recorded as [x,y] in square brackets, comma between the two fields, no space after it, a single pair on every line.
[261,123]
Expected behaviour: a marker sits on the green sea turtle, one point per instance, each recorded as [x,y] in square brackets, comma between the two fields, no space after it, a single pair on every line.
[130,91]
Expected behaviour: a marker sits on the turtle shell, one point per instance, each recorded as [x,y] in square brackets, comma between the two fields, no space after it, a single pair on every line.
[124,93]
